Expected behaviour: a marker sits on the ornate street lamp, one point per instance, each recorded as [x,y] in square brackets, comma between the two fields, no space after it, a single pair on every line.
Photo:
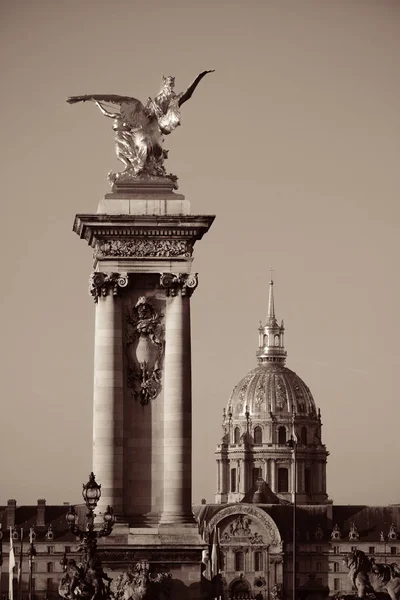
[91,493]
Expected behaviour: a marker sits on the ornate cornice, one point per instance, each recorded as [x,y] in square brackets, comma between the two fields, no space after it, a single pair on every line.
[143,247]
[99,229]
[101,284]
[186,283]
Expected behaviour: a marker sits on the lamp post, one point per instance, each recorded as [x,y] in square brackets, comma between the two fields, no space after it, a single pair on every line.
[91,493]
[292,443]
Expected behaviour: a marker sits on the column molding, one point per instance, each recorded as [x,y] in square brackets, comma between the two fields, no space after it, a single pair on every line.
[101,284]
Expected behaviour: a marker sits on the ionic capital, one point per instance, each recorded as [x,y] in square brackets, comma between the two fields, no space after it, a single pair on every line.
[101,284]
[173,282]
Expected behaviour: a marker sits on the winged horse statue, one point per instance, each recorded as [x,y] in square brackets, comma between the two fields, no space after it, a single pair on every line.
[139,130]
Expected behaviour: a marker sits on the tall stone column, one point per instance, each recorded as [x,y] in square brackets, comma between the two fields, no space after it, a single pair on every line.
[178,399]
[218,476]
[108,388]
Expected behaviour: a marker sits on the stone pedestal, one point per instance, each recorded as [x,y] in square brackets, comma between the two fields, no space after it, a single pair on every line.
[143,240]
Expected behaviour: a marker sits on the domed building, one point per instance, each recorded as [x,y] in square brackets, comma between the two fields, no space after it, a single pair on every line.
[271,415]
[272,531]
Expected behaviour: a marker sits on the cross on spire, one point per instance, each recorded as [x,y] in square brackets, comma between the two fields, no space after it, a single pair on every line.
[271,270]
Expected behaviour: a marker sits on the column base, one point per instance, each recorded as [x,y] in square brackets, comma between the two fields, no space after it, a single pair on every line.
[171,518]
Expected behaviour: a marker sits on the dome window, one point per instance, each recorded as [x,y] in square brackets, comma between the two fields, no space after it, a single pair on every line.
[258,436]
[303,436]
[353,533]
[283,480]
[282,436]
[307,481]
[277,340]
[236,436]
[392,532]
[233,480]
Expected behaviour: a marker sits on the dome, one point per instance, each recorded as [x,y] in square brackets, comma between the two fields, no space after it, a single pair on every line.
[271,388]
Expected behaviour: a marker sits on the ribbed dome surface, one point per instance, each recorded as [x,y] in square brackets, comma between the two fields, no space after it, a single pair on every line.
[271,388]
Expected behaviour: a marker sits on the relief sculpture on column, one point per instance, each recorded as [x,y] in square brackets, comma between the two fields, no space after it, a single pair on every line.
[145,350]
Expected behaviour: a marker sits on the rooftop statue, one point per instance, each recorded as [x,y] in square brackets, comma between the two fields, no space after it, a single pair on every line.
[139,129]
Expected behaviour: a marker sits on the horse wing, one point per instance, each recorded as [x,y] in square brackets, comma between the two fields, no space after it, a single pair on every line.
[112,98]
[189,92]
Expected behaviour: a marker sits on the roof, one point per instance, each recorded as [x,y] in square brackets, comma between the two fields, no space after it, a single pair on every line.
[271,388]
[315,522]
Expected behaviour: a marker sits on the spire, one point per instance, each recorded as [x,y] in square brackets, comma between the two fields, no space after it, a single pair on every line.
[271,303]
[271,343]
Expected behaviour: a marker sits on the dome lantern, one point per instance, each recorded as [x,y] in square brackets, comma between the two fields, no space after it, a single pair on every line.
[271,335]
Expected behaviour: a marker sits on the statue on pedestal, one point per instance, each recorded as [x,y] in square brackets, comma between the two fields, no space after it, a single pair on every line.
[367,576]
[139,129]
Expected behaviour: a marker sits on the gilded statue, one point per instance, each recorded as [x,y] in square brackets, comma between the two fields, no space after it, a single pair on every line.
[140,129]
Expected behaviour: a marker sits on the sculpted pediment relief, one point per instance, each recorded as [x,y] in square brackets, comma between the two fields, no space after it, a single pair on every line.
[244,524]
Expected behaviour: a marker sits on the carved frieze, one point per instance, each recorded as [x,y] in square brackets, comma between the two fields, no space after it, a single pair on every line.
[101,284]
[143,247]
[186,283]
[145,350]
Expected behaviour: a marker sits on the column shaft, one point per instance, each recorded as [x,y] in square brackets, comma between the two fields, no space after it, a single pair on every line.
[108,402]
[273,474]
[177,412]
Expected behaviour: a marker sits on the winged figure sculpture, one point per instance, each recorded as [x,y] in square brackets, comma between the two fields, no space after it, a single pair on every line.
[140,129]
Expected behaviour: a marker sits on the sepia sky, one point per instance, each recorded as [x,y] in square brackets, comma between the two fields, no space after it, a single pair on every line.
[293,142]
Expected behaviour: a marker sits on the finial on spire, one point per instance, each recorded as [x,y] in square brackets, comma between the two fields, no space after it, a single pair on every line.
[271,270]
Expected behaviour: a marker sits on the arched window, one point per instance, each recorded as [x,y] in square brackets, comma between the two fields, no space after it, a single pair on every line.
[257,435]
[236,436]
[303,436]
[307,481]
[277,341]
[258,566]
[233,480]
[283,480]
[282,436]
[265,340]
[239,561]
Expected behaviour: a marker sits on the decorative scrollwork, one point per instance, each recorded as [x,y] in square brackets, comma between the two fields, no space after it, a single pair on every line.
[142,248]
[173,282]
[101,284]
[144,325]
